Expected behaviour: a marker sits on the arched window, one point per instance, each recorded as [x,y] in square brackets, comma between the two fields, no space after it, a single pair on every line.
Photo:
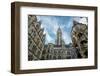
[47,56]
[59,57]
[54,57]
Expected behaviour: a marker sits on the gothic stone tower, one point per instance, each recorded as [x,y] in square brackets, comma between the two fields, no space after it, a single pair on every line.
[59,50]
[59,36]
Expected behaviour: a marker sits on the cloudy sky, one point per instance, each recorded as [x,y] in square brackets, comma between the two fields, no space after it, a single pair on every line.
[51,24]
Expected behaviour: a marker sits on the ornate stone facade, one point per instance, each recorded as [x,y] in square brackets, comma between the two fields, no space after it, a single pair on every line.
[38,50]
[36,38]
[80,38]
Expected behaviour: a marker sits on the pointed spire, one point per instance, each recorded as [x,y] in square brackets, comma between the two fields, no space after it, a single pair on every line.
[59,29]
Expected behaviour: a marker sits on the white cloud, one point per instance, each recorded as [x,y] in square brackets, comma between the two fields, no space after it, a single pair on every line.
[66,37]
[49,39]
[50,26]
[81,20]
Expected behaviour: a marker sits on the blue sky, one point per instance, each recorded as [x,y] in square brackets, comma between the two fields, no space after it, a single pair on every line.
[51,24]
